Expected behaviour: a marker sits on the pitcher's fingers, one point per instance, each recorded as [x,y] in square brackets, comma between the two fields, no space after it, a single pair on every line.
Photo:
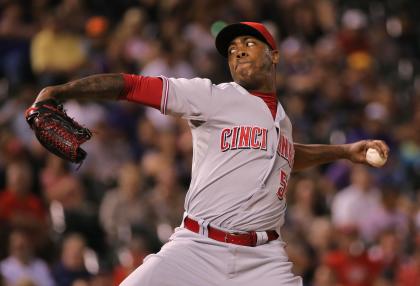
[382,148]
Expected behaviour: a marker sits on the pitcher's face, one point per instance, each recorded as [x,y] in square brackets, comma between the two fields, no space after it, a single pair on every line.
[250,61]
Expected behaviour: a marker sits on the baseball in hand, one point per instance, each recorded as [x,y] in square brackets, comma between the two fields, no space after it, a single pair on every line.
[374,158]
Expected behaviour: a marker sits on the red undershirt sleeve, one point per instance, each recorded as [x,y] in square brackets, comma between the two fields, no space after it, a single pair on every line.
[142,89]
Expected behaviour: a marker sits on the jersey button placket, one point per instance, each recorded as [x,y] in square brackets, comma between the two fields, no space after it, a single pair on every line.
[273,156]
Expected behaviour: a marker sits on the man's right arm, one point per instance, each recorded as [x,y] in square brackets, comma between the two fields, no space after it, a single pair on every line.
[310,155]
[101,86]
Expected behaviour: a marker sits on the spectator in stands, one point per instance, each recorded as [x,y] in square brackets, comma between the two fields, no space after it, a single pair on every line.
[56,53]
[388,251]
[167,201]
[15,36]
[386,217]
[126,208]
[320,236]
[409,273]
[18,206]
[70,267]
[409,136]
[351,263]
[131,46]
[146,137]
[306,205]
[324,276]
[59,184]
[171,61]
[108,151]
[22,266]
[130,257]
[73,15]
[352,205]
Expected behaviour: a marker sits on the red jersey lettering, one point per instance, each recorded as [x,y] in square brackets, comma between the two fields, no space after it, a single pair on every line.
[234,144]
[255,143]
[244,137]
[224,144]
[264,139]
[281,192]
[286,150]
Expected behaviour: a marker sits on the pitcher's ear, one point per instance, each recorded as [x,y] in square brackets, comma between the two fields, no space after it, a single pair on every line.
[275,56]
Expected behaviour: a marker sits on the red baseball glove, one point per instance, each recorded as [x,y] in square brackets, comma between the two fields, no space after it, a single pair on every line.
[56,131]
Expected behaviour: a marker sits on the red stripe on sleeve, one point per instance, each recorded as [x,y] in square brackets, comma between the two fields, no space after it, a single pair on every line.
[142,89]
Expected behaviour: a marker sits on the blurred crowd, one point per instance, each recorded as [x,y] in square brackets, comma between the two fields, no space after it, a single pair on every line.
[349,71]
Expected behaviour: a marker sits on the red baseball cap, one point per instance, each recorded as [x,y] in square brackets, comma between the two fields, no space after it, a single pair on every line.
[230,32]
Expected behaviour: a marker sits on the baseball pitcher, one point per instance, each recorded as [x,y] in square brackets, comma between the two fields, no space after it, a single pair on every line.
[243,155]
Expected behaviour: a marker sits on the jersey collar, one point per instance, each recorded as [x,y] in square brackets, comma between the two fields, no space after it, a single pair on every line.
[270,99]
[279,111]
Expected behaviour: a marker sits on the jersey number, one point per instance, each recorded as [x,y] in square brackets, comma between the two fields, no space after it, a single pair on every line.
[281,192]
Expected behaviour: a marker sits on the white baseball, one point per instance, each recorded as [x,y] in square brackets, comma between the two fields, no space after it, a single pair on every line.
[374,158]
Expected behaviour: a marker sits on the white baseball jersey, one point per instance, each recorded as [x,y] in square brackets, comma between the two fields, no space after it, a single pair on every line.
[242,158]
[241,163]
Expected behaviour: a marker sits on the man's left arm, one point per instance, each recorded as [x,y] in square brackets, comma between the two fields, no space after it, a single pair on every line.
[311,155]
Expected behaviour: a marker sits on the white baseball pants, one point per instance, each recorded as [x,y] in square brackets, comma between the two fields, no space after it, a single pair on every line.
[190,259]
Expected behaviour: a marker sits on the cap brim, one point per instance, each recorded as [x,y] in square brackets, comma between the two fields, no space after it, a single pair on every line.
[229,33]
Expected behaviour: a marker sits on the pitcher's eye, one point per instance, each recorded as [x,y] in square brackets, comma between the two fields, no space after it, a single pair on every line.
[250,44]
[231,50]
